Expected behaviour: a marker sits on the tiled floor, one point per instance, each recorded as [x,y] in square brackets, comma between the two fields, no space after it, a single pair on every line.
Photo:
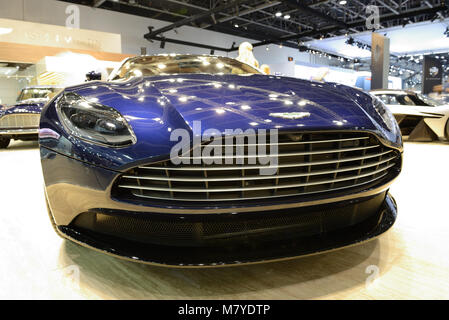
[410,261]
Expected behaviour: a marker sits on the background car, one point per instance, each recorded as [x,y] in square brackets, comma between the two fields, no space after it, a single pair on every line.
[21,120]
[420,118]
[111,182]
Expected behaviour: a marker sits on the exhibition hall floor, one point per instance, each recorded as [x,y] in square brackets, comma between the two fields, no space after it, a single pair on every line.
[410,261]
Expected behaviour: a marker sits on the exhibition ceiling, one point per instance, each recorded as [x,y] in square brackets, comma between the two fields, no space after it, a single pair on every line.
[419,38]
[286,21]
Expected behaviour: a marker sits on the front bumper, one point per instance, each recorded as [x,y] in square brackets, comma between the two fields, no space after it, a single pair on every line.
[19,132]
[78,195]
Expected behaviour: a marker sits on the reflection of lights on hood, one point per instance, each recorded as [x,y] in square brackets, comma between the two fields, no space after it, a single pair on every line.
[220,65]
[206,63]
[338,123]
[220,111]
[253,124]
[48,133]
[273,95]
[267,120]
[245,107]
[141,99]
[137,73]
[302,103]
[231,86]
[161,66]
[172,90]
[230,103]
[183,99]
[217,85]
[288,102]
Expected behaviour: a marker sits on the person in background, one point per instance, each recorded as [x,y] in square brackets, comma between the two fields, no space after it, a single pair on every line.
[265,69]
[246,54]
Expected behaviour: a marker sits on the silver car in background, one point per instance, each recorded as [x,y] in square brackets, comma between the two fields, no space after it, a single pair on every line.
[420,118]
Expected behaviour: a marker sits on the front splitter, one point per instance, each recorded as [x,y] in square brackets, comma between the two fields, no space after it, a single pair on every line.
[237,255]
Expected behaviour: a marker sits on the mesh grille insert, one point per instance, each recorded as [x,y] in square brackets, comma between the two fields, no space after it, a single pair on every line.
[13,121]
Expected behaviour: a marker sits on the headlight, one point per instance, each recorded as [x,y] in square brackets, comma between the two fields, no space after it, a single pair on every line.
[94,122]
[386,114]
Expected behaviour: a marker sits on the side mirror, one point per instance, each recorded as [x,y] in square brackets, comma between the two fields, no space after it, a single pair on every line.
[91,76]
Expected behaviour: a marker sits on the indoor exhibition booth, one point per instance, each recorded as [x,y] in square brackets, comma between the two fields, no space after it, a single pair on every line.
[224,150]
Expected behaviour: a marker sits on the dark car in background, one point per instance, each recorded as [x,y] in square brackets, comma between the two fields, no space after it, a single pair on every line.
[20,121]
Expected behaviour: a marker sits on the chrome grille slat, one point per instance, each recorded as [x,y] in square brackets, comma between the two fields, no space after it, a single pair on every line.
[293,154]
[239,167]
[255,198]
[258,188]
[302,142]
[314,173]
[308,163]
[12,121]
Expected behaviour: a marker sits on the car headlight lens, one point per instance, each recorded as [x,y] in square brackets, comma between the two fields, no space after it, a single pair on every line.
[94,122]
[386,114]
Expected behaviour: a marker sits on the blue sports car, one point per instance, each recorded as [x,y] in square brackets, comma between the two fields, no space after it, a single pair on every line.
[197,160]
[21,120]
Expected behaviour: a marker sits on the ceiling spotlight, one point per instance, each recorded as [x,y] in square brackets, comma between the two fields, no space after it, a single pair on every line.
[278,14]
[287,16]
[236,25]
[343,2]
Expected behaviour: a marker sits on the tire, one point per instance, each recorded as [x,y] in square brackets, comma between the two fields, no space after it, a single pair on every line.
[446,130]
[4,142]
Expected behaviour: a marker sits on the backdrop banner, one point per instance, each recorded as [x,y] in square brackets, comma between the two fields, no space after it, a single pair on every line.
[380,61]
[432,74]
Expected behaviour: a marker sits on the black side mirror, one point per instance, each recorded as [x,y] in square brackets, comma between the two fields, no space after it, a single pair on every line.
[91,76]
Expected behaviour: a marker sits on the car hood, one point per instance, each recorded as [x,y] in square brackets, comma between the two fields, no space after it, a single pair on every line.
[155,106]
[25,107]
[232,101]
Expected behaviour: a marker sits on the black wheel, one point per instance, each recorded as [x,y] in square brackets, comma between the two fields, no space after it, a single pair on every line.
[447,130]
[4,142]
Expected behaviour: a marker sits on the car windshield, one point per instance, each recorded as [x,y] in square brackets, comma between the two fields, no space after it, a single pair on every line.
[37,93]
[405,99]
[430,101]
[176,64]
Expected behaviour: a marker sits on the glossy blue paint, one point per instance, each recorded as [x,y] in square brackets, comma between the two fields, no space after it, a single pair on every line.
[25,107]
[155,106]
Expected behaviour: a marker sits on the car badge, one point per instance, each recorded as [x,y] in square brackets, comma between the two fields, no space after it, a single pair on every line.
[290,115]
[434,71]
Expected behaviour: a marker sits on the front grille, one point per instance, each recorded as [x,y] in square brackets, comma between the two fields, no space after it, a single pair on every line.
[207,229]
[18,121]
[308,163]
